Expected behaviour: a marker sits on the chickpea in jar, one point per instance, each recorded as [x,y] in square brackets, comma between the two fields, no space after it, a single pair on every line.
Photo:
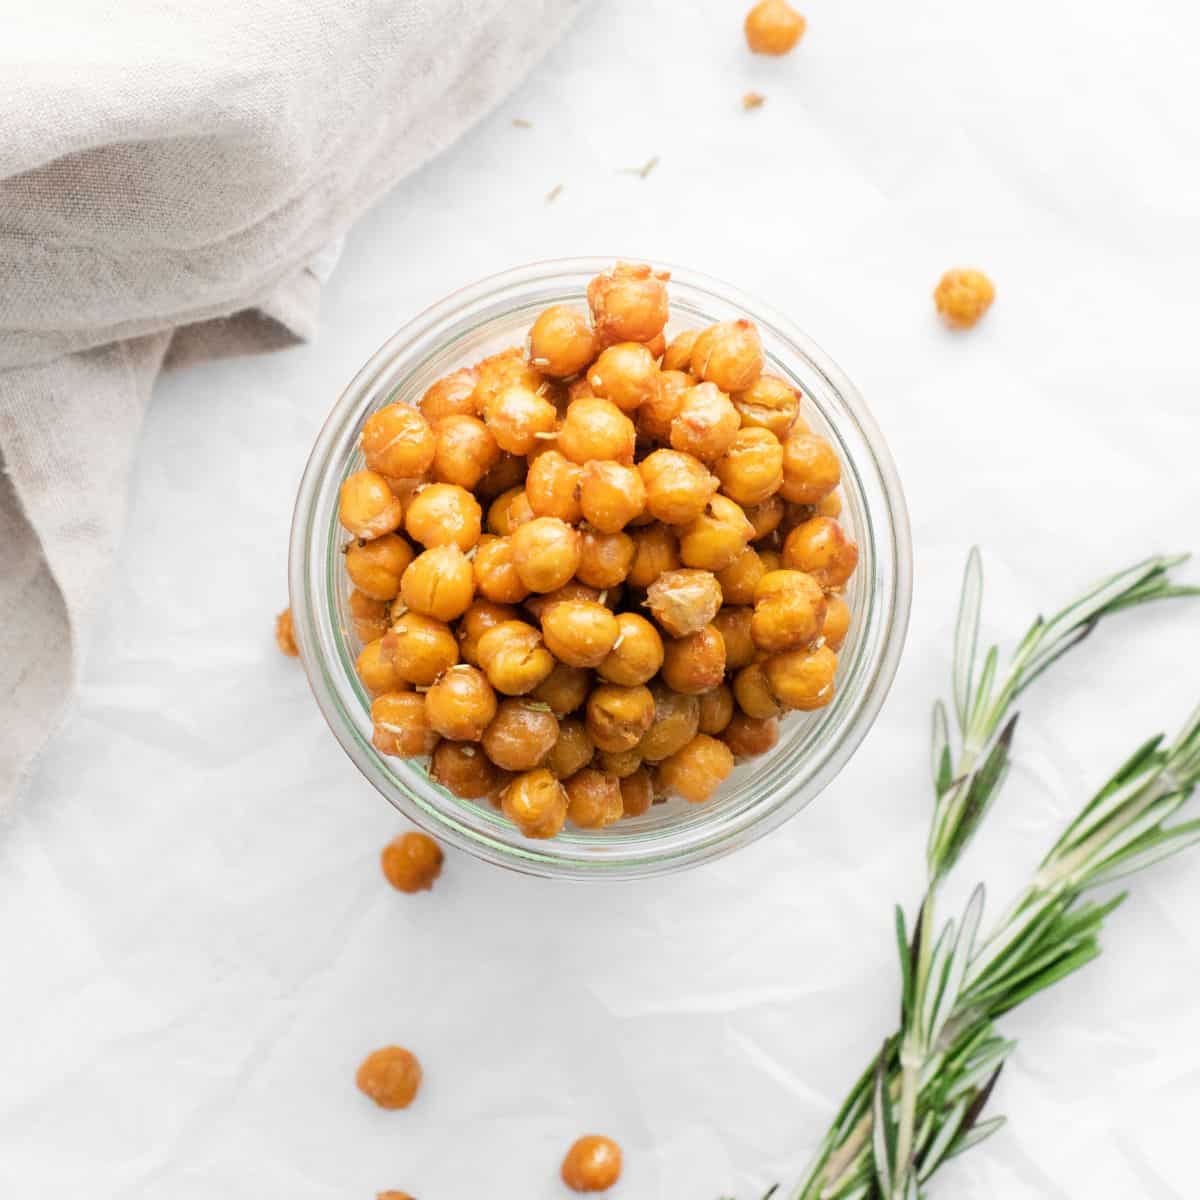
[400,726]
[516,416]
[810,468]
[636,654]
[509,472]
[626,374]
[439,583]
[513,657]
[367,507]
[390,1076]
[509,511]
[565,689]
[678,354]
[656,551]
[464,769]
[637,793]
[739,579]
[617,716]
[545,553]
[520,735]
[465,451]
[716,710]
[376,669]
[789,611]
[729,354]
[476,621]
[495,572]
[593,799]
[552,487]
[573,750]
[397,441]
[768,403]
[766,517]
[375,567]
[461,704]
[368,616]
[751,470]
[734,623]
[706,423]
[444,514]
[506,369]
[539,604]
[628,303]
[802,679]
[561,342]
[716,537]
[821,548]
[536,803]
[411,862]
[753,693]
[676,721]
[684,601]
[678,486]
[451,396]
[748,738]
[579,633]
[621,763]
[605,559]
[654,417]
[837,622]
[694,664]
[596,429]
[698,769]
[611,495]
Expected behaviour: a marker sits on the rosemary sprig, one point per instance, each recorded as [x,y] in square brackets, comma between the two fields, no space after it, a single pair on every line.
[919,1104]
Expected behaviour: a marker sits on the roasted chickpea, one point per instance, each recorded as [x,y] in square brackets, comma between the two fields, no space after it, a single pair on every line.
[637,793]
[802,679]
[751,470]
[620,763]
[684,601]
[753,693]
[509,511]
[400,726]
[579,633]
[963,296]
[768,403]
[593,799]
[564,689]
[739,579]
[678,354]
[830,505]
[561,342]
[592,1164]
[508,473]
[821,548]
[706,423]
[628,303]
[611,495]
[536,803]
[546,553]
[636,654]
[716,537]
[444,514]
[515,417]
[285,637]
[439,583]
[367,507]
[677,486]
[656,553]
[376,668]
[729,354]
[375,566]
[747,738]
[837,622]
[773,27]
[513,658]
[370,616]
[657,345]
[734,624]
[392,1194]
[810,468]
[504,370]
[461,704]
[694,664]
[421,648]
[495,573]
[390,1077]
[662,406]
[626,374]
[476,621]
[676,720]
[696,771]
[452,395]
[539,605]
[618,716]
[772,560]
[397,441]
[552,487]
[766,517]
[716,710]
[411,862]
[465,770]
[596,429]
[573,750]
[520,735]
[604,558]
[789,611]
[465,451]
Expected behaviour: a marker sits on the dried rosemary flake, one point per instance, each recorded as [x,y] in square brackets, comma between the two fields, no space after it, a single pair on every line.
[521,123]
[644,170]
[554,193]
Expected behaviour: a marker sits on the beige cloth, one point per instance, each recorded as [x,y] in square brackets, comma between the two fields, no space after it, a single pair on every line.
[172,178]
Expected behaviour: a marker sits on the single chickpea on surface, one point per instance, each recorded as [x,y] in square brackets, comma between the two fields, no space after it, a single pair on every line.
[629,303]
[561,342]
[962,296]
[521,735]
[285,638]
[773,27]
[592,1164]
[390,1076]
[392,1195]
[412,862]
[593,799]
[536,803]
[400,725]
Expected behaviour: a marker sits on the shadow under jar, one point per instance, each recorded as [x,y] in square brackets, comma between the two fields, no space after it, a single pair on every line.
[497,313]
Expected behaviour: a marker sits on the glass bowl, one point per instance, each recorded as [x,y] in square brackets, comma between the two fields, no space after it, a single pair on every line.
[760,794]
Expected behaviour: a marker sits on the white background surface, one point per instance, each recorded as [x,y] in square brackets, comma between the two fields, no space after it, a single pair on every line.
[196,945]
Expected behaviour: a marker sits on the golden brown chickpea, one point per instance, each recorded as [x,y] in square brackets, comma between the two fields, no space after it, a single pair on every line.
[604,558]
[621,763]
[716,710]
[285,637]
[500,371]
[748,738]
[657,345]
[677,486]
[521,734]
[766,517]
[618,716]
[397,441]
[579,633]
[751,470]
[465,770]
[546,553]
[684,601]
[439,583]
[476,621]
[676,720]
[772,560]
[636,654]
[830,505]
[461,704]
[370,616]
[452,395]
[508,473]
[538,606]
[465,451]
[377,669]
[716,537]
[626,374]
[753,694]
[678,354]
[392,1194]
[738,580]
[390,1077]
[564,689]
[821,548]
[730,355]
[656,553]
[573,750]
[421,648]
[516,416]
[595,428]
[662,406]
[552,487]
[733,624]
[367,507]
[400,726]
[637,793]
[444,514]
[706,424]
[810,468]
[495,572]
[789,611]
[694,664]
[592,1164]
[375,567]
[768,403]
[773,27]
[509,511]
[536,803]
[696,771]
[837,622]
[593,799]
[561,342]
[628,303]
[963,296]
[611,495]
[802,679]
[513,658]
[411,862]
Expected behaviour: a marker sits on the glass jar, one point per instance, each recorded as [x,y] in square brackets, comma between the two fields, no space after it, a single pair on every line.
[760,794]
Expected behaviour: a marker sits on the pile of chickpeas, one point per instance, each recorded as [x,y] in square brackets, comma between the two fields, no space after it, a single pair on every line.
[595,571]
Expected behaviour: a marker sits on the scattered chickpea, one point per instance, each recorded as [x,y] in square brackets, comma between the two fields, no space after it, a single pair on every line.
[461,704]
[716,710]
[611,495]
[452,395]
[573,750]
[390,1077]
[626,374]
[810,468]
[444,514]
[412,862]
[698,769]
[367,507]
[706,424]
[520,736]
[376,566]
[962,297]
[694,664]
[628,303]
[821,548]
[421,648]
[734,624]
[552,487]
[579,633]
[802,679]
[677,486]
[637,793]
[368,615]
[684,601]
[729,355]
[636,654]
[465,451]
[593,799]
[400,725]
[617,716]
[773,27]
[545,553]
[716,537]
[561,342]
[397,441]
[596,429]
[465,770]
[285,638]
[605,559]
[513,657]
[748,738]
[536,803]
